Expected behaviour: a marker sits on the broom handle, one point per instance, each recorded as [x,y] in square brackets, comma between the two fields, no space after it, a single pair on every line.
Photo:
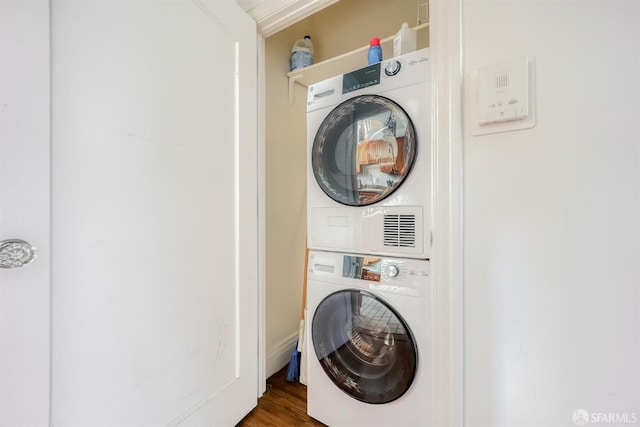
[304,282]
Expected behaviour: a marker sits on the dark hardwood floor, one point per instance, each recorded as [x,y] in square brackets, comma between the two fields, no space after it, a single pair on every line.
[283,405]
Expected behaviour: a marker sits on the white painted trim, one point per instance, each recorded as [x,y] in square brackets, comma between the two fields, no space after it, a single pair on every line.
[447,261]
[272,18]
[279,355]
[262,305]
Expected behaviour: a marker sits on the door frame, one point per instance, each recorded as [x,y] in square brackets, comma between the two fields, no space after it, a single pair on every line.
[262,175]
[447,134]
[445,29]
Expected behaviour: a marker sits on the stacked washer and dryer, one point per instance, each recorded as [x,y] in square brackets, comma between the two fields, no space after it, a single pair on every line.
[368,337]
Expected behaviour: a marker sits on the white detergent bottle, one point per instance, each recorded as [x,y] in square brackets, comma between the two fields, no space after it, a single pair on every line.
[302,53]
[405,41]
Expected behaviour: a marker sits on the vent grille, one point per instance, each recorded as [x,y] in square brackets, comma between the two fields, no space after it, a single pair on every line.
[400,231]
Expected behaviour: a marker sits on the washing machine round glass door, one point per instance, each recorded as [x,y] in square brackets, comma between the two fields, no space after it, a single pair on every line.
[364,346]
[363,150]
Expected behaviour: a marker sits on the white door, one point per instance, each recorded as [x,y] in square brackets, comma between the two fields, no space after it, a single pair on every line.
[153,216]
[24,211]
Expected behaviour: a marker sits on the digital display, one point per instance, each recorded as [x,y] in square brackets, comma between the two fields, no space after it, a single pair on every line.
[359,79]
[363,268]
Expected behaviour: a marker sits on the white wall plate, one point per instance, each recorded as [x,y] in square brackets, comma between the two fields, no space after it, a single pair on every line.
[502,97]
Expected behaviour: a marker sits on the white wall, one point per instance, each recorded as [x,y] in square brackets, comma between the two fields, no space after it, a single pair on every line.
[552,218]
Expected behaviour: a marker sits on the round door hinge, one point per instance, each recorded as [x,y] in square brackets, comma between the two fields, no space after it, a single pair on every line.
[16,253]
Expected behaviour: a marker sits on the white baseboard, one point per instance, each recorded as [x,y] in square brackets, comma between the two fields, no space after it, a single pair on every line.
[279,355]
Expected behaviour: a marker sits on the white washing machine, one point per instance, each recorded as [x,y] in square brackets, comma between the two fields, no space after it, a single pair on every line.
[369,159]
[368,340]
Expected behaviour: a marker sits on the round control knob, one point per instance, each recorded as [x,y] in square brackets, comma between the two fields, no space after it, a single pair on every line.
[393,270]
[392,68]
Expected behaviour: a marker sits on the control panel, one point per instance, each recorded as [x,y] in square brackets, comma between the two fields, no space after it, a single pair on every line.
[374,269]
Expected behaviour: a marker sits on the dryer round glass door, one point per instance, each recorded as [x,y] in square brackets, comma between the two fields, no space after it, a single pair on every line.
[363,150]
[364,346]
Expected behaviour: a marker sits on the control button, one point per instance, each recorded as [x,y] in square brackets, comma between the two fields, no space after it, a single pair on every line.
[392,68]
[502,116]
[393,270]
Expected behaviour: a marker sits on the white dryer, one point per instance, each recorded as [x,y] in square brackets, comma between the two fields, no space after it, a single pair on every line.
[369,159]
[368,340]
